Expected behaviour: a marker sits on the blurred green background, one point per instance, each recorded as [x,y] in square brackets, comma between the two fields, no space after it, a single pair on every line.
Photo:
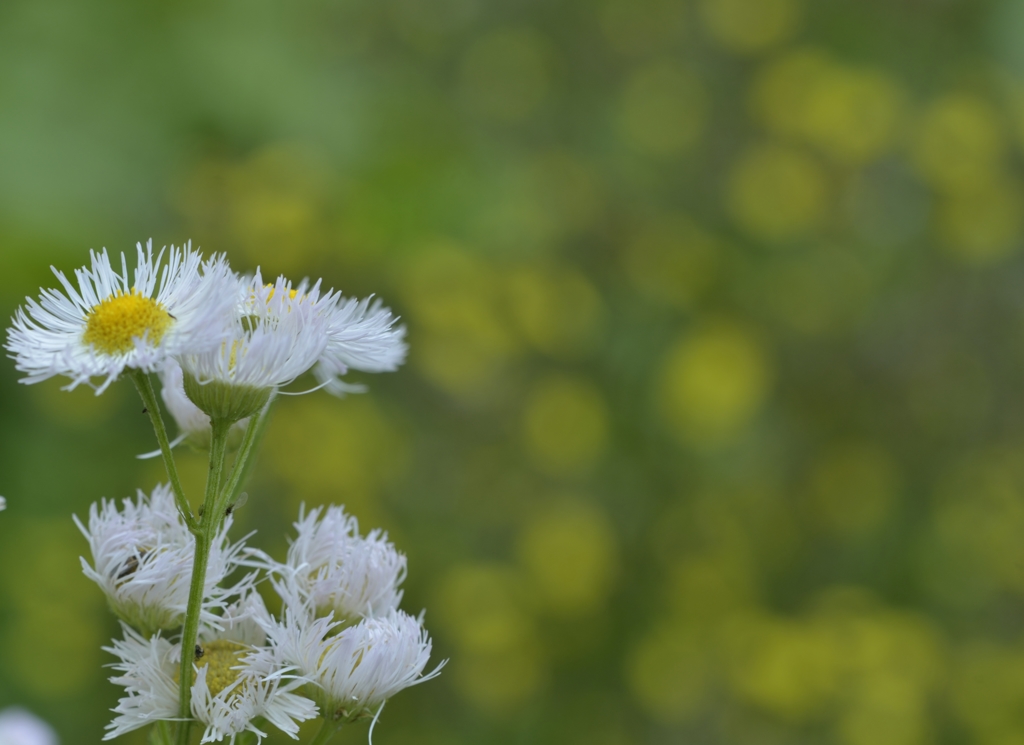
[711,429]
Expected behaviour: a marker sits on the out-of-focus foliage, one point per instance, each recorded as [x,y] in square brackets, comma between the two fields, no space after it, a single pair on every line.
[712,425]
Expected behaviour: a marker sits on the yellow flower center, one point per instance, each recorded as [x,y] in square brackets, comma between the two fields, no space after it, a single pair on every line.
[221,659]
[113,325]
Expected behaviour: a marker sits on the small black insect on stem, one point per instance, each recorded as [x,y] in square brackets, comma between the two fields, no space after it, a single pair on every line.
[199,652]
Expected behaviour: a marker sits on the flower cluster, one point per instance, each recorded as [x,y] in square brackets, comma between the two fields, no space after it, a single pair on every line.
[310,660]
[229,334]
[198,644]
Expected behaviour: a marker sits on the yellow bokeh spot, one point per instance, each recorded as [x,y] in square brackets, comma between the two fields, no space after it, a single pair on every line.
[666,673]
[638,26]
[662,110]
[885,642]
[274,198]
[484,609]
[746,26]
[455,301]
[713,383]
[335,451]
[783,90]
[113,326]
[869,670]
[672,260]
[459,366]
[983,225]
[570,552]
[891,662]
[505,74]
[777,193]
[54,618]
[853,487]
[854,115]
[977,525]
[788,669]
[565,425]
[960,143]
[557,311]
[500,681]
[889,709]
[988,690]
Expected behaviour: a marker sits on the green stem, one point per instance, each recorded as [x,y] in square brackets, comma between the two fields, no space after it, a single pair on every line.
[145,387]
[161,734]
[208,525]
[326,732]
[244,459]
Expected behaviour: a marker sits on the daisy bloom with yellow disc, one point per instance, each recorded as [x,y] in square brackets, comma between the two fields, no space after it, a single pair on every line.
[111,321]
[239,679]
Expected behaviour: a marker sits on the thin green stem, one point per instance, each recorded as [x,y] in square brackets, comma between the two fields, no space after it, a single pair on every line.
[208,524]
[161,734]
[145,387]
[326,732]
[244,460]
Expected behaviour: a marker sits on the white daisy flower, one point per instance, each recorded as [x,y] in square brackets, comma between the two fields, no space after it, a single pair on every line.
[336,570]
[362,335]
[19,727]
[3,504]
[193,423]
[352,672]
[278,333]
[237,680]
[111,322]
[142,560]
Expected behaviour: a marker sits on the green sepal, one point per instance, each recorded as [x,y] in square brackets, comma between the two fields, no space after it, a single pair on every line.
[223,401]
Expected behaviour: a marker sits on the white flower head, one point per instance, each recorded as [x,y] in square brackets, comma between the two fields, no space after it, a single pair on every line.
[354,671]
[19,727]
[337,570]
[193,423]
[142,560]
[362,335]
[237,680]
[111,322]
[3,504]
[340,626]
[278,333]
